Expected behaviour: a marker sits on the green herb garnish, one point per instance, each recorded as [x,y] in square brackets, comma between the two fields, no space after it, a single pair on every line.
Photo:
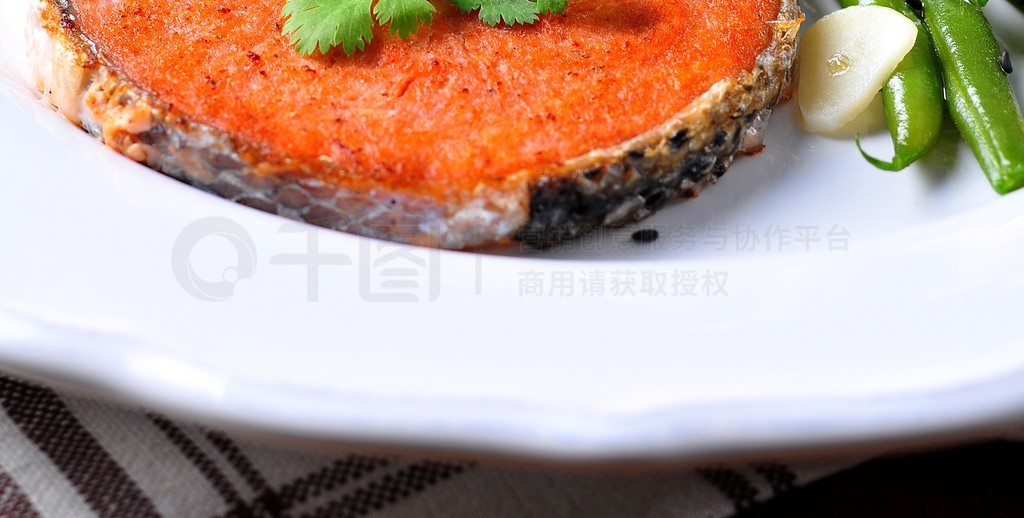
[314,25]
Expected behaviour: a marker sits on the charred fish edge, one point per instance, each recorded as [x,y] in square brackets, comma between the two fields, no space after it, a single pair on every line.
[619,186]
[611,186]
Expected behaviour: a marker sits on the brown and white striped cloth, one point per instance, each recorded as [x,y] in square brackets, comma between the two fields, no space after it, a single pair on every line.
[66,456]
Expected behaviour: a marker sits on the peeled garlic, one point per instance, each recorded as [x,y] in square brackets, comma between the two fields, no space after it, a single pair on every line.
[845,59]
[870,120]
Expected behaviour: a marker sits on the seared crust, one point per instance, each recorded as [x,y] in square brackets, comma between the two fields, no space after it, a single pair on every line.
[610,186]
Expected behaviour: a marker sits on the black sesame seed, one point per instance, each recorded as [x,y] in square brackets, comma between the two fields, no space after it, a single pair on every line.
[645,235]
[678,140]
[590,209]
[719,138]
[1004,62]
[655,199]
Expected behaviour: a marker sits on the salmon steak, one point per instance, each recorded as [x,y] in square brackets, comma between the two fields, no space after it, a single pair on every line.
[462,135]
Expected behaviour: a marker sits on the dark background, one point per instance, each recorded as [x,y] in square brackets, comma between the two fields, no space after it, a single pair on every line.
[977,480]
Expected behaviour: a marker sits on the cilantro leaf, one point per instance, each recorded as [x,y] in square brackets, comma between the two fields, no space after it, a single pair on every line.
[405,16]
[324,24]
[320,25]
[510,12]
[552,6]
[467,5]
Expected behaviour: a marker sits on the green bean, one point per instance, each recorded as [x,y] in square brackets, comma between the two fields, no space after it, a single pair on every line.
[978,92]
[912,97]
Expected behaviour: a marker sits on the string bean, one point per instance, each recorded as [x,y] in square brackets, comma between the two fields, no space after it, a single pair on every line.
[912,98]
[978,93]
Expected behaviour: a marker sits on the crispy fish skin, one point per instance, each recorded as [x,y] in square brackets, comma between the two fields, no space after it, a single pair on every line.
[541,206]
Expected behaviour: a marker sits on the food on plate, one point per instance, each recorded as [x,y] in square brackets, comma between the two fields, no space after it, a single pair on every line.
[955,61]
[978,92]
[321,25]
[645,235]
[912,97]
[845,58]
[460,135]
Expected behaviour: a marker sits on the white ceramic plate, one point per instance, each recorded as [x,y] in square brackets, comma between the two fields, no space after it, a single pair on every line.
[831,303]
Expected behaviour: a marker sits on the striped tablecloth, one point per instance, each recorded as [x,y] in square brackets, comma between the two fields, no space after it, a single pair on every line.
[66,456]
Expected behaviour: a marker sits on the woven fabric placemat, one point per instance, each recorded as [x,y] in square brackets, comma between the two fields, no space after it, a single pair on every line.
[62,455]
